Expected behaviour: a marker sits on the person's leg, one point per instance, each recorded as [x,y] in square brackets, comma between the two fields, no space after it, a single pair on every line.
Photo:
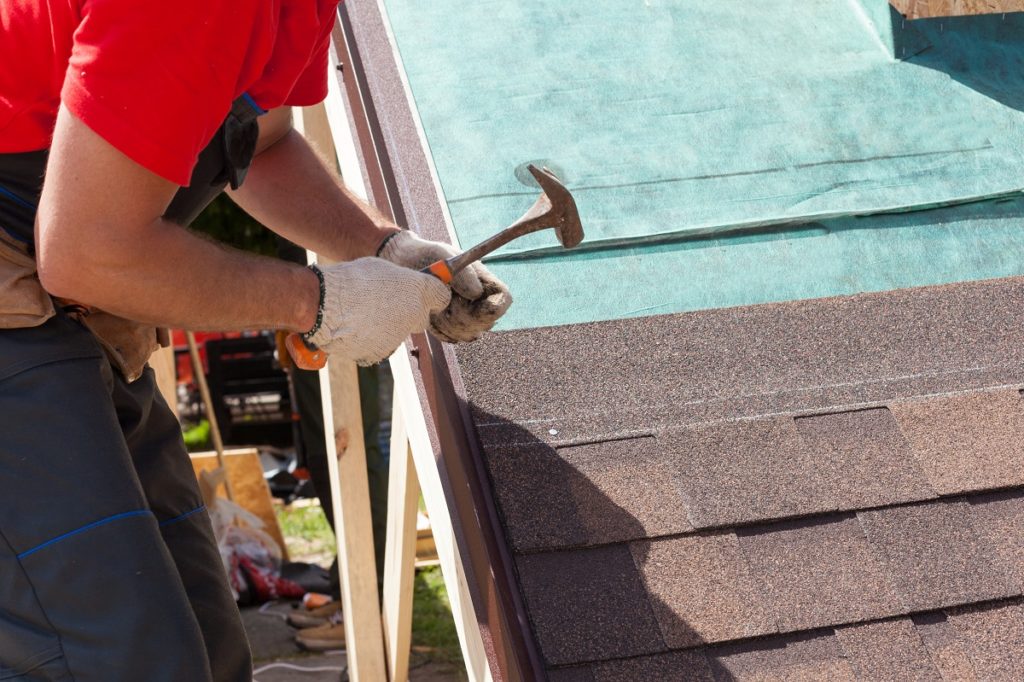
[88,588]
[168,481]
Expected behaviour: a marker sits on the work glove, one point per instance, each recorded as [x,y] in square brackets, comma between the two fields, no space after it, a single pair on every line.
[371,306]
[478,297]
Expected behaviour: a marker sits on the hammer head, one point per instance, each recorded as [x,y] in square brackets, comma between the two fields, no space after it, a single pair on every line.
[559,206]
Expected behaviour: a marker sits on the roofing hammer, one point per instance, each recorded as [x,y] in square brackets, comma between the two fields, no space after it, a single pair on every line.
[554,208]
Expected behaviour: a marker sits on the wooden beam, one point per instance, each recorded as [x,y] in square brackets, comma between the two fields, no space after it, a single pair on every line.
[923,9]
[162,362]
[407,397]
[400,550]
[350,490]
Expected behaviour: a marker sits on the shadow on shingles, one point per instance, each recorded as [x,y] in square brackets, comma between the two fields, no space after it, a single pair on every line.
[984,52]
[580,576]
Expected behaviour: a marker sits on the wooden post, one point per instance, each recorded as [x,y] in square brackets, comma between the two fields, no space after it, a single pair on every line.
[400,551]
[162,362]
[350,488]
[407,397]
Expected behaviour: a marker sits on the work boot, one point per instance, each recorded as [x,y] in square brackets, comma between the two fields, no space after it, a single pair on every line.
[325,637]
[311,618]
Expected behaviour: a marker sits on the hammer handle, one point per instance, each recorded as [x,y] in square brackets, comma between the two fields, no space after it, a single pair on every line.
[303,354]
[441,269]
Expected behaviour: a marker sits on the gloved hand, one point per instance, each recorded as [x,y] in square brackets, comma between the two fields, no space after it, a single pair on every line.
[478,299]
[371,306]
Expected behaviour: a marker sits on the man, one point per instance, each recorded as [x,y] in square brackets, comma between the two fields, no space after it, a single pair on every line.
[108,567]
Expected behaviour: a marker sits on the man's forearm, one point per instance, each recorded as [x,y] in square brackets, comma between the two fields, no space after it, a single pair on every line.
[171,277]
[100,241]
[290,190]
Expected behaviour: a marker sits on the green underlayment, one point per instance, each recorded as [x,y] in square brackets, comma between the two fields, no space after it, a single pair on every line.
[681,125]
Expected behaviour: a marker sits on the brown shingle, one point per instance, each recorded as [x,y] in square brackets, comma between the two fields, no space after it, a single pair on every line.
[994,638]
[946,647]
[818,574]
[805,658]
[999,519]
[626,489]
[664,371]
[700,589]
[967,442]
[679,666]
[532,484]
[889,650]
[868,455]
[571,675]
[933,556]
[749,471]
[588,605]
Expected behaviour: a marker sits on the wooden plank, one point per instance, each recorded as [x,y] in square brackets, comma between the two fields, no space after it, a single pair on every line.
[250,489]
[470,640]
[922,9]
[400,551]
[350,490]
[162,362]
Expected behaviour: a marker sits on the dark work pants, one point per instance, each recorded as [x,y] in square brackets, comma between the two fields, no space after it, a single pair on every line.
[109,569]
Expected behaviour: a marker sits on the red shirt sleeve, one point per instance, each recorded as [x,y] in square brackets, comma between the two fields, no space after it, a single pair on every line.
[155,79]
[311,87]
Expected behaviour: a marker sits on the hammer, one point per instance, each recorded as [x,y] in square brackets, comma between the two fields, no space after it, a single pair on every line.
[554,208]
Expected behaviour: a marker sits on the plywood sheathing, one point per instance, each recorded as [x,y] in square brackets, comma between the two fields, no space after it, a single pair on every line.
[922,9]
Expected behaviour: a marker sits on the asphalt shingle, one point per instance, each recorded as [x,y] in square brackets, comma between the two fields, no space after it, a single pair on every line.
[700,589]
[679,666]
[946,647]
[818,574]
[994,639]
[626,489]
[588,604]
[805,658]
[748,471]
[868,456]
[999,520]
[967,442]
[888,650]
[933,556]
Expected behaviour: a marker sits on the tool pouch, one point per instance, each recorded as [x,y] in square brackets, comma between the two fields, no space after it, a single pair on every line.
[23,302]
[128,344]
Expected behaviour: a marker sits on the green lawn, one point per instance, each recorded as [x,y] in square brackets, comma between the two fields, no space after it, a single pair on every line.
[434,639]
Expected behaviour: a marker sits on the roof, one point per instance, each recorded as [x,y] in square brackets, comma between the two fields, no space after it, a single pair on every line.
[825,488]
[771,150]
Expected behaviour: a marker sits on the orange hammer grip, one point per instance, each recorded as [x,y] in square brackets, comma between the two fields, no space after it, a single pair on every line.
[441,270]
[303,355]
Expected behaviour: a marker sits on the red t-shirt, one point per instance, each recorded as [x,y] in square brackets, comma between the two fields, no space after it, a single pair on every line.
[155,79]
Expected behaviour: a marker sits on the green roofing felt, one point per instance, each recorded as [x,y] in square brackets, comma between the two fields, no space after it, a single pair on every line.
[673,119]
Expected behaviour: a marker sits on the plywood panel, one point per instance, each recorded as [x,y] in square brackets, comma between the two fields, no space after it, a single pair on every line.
[248,485]
[920,9]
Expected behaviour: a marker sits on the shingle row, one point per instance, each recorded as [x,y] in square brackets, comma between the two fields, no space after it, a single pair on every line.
[976,643]
[756,470]
[657,595]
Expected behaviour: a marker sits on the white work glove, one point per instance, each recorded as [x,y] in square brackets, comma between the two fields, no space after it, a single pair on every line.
[371,307]
[478,300]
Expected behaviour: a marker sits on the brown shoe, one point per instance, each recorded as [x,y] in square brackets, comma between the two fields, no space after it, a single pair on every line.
[321,615]
[324,638]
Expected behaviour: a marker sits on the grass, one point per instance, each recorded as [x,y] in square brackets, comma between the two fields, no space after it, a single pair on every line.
[434,639]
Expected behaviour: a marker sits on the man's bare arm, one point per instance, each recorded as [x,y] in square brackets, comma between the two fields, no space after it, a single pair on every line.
[290,190]
[101,241]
